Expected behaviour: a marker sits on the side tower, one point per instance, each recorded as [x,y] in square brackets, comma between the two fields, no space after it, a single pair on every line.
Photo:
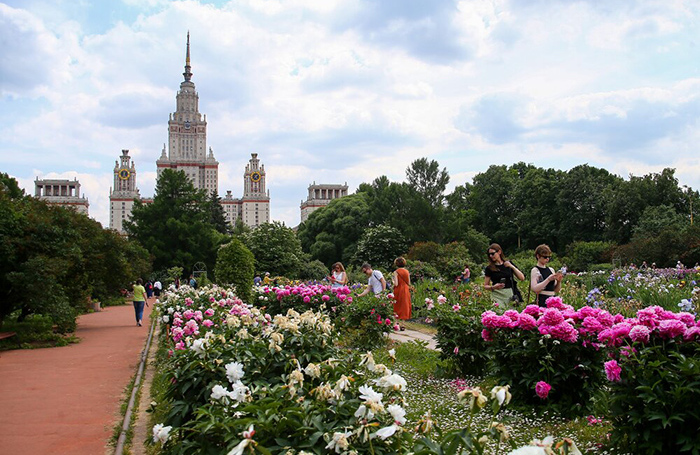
[187,137]
[123,193]
[255,203]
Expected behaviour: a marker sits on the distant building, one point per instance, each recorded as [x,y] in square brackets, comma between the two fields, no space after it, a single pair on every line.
[253,209]
[123,193]
[320,196]
[64,193]
[187,151]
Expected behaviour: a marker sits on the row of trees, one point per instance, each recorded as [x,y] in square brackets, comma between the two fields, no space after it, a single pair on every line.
[517,206]
[52,259]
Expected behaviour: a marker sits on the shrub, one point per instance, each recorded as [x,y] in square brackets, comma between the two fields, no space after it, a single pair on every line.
[312,270]
[583,254]
[235,266]
[654,386]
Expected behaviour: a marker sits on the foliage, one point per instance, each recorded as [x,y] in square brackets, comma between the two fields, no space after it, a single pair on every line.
[53,259]
[654,394]
[234,266]
[312,269]
[380,246]
[276,249]
[331,233]
[582,254]
[178,228]
[287,383]
[422,270]
[427,178]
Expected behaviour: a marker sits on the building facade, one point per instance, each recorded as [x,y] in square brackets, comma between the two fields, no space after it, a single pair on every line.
[320,196]
[187,151]
[123,193]
[63,193]
[187,137]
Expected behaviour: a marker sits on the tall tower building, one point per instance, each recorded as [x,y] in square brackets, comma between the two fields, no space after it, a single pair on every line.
[123,193]
[187,137]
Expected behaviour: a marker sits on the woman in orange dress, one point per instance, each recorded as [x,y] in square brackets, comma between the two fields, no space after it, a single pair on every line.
[401,280]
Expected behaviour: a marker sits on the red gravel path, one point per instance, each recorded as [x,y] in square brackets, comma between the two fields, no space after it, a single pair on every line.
[66,400]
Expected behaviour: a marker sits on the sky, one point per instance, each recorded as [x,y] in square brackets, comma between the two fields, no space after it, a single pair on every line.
[344,91]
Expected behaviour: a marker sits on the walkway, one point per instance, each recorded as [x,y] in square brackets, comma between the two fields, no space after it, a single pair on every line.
[66,400]
[414,335]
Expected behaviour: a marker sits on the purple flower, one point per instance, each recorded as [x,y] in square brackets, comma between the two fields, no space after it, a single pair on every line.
[612,371]
[542,389]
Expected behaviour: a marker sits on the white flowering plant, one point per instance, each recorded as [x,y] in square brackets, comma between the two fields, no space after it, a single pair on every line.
[282,375]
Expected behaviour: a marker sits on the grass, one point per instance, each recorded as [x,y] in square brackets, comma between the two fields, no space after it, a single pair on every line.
[429,393]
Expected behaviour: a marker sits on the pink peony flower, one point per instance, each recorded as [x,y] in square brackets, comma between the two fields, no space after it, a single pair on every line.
[307,299]
[442,299]
[693,333]
[542,389]
[612,371]
[551,316]
[456,308]
[486,335]
[388,321]
[207,323]
[671,328]
[640,333]
[526,322]
[456,350]
[533,310]
[326,297]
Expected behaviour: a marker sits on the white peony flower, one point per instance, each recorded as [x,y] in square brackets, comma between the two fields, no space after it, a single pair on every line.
[368,394]
[161,433]
[199,345]
[397,413]
[339,443]
[385,432]
[240,448]
[501,394]
[363,412]
[312,371]
[218,392]
[166,319]
[234,371]
[392,381]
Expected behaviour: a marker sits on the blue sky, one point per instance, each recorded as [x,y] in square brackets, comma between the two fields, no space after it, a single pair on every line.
[339,91]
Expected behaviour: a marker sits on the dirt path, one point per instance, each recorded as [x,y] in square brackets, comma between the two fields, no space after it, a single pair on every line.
[66,400]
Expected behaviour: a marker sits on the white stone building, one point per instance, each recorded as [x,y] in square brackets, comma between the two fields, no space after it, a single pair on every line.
[63,193]
[320,196]
[187,151]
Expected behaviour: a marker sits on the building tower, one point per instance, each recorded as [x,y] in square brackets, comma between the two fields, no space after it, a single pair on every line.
[63,193]
[123,193]
[187,137]
[320,196]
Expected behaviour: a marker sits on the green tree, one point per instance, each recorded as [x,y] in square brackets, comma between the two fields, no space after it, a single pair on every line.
[276,249]
[380,246]
[235,266]
[428,180]
[176,228]
[331,233]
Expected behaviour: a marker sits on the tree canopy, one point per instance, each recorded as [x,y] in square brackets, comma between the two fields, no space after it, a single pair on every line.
[180,227]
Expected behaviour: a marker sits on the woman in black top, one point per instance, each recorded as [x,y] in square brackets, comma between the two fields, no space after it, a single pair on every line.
[499,275]
[544,282]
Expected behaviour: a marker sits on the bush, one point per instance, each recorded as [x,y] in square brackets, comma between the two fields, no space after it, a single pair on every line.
[234,265]
[312,270]
[583,254]
[421,270]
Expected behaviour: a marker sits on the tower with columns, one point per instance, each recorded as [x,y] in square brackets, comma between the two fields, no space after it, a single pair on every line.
[123,193]
[187,137]
[63,193]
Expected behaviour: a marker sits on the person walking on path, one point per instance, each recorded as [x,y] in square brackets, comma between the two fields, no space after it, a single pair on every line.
[139,300]
[499,275]
[157,288]
[375,283]
[401,279]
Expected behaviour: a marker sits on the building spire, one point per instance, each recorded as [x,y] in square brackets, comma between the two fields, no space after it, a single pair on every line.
[187,73]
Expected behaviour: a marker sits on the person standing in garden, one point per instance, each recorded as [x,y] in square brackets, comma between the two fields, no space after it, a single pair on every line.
[544,282]
[157,287]
[499,275]
[375,283]
[466,275]
[401,280]
[338,277]
[139,300]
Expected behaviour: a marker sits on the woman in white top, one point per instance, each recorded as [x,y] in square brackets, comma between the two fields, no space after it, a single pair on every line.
[544,282]
[338,277]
